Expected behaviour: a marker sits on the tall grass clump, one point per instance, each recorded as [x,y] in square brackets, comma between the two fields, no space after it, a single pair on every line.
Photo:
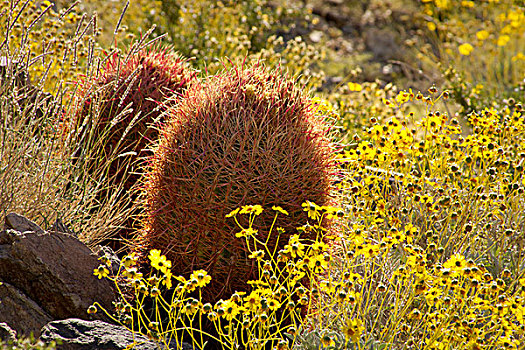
[42,53]
[125,102]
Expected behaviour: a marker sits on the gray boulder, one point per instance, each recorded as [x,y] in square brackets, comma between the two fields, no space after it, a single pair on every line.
[76,334]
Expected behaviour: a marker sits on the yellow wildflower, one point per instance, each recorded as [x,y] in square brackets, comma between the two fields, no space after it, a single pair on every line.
[353,329]
[159,261]
[312,209]
[280,210]
[355,87]
[482,35]
[503,40]
[249,209]
[202,278]
[101,271]
[465,49]
[246,232]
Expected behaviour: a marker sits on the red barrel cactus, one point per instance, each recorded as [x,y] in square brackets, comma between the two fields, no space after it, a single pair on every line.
[248,135]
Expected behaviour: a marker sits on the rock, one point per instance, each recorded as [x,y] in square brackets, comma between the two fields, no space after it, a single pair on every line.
[316,36]
[76,334]
[55,270]
[6,333]
[19,311]
[21,224]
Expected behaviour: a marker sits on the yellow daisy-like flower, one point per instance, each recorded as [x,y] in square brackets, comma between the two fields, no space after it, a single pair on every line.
[258,254]
[482,35]
[353,329]
[189,309]
[252,301]
[294,247]
[249,209]
[312,209]
[159,261]
[327,340]
[92,309]
[273,304]
[465,49]
[101,271]
[280,210]
[368,250]
[230,309]
[318,264]
[246,232]
[154,255]
[355,87]
[232,213]
[129,260]
[132,273]
[456,263]
[319,246]
[202,277]
[189,286]
[503,40]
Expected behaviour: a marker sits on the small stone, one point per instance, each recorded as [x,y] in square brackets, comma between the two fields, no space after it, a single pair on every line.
[316,36]
[21,224]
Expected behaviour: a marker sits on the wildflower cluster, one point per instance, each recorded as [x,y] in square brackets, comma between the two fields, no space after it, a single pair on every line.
[480,45]
[269,314]
[358,106]
[173,311]
[272,312]
[435,228]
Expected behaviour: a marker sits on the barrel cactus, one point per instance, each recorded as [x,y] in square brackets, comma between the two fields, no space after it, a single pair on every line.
[248,135]
[125,104]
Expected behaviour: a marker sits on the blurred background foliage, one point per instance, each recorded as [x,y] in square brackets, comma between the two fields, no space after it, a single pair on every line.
[473,48]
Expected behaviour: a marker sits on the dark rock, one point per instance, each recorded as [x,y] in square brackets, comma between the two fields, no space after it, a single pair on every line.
[7,333]
[21,224]
[382,44]
[19,311]
[54,270]
[76,334]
